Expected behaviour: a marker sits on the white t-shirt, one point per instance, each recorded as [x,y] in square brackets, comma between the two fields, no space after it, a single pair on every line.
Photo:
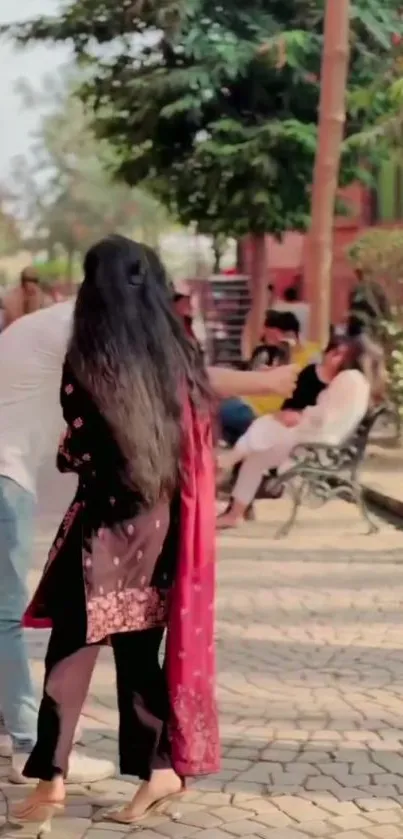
[340,409]
[32,351]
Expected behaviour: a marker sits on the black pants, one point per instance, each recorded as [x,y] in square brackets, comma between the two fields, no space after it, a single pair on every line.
[141,685]
[142,702]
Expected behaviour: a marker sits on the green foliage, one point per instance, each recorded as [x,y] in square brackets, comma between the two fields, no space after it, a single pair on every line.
[54,270]
[75,200]
[394,336]
[378,254]
[214,106]
[378,258]
[10,237]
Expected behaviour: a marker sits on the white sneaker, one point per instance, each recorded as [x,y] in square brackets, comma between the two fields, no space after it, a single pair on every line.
[18,761]
[88,770]
[82,769]
[6,747]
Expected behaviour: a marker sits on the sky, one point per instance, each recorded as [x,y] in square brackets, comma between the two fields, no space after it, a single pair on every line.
[33,64]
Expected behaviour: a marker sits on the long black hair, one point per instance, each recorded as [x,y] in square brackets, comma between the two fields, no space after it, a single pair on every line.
[365,355]
[131,353]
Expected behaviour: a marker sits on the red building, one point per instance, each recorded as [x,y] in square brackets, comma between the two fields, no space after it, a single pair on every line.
[380,206]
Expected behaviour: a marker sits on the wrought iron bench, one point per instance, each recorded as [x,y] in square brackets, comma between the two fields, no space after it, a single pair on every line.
[321,473]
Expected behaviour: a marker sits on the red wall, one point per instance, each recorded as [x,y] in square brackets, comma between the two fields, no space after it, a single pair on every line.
[286,259]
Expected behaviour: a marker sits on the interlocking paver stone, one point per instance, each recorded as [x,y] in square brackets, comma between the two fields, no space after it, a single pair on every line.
[385,817]
[351,834]
[310,682]
[318,829]
[351,822]
[285,833]
[95,833]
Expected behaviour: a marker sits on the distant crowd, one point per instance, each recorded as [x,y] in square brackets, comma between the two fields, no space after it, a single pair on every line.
[26,297]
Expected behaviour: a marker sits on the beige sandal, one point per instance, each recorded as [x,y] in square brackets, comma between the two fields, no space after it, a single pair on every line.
[39,814]
[118,816]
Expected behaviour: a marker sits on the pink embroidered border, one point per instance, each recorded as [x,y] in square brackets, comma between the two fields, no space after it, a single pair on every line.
[125,611]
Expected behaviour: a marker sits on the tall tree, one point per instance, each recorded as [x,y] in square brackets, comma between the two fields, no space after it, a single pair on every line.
[75,199]
[10,234]
[215,105]
[326,172]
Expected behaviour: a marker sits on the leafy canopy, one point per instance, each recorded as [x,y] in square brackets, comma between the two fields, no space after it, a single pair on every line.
[214,104]
[74,200]
[10,234]
[378,257]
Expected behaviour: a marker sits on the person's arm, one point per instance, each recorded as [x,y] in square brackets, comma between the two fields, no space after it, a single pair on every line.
[227,382]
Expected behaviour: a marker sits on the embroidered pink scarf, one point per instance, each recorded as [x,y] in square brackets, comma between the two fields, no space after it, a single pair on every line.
[190,654]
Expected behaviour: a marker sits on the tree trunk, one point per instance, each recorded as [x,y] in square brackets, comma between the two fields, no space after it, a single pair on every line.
[240,257]
[217,262]
[334,72]
[70,264]
[258,283]
[218,252]
[70,254]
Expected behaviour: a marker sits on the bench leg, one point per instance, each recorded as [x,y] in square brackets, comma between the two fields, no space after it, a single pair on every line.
[358,493]
[286,527]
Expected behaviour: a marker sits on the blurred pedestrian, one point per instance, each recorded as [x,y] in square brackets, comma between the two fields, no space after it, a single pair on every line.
[25,298]
[31,352]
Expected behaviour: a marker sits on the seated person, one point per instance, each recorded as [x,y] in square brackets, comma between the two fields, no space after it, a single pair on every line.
[340,408]
[282,327]
[310,382]
[235,415]
[316,377]
[269,355]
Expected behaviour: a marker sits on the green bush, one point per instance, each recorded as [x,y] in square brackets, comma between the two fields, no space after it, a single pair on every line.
[377,257]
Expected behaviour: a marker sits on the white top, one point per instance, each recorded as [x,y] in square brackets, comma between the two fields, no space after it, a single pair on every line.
[32,351]
[338,412]
[301,311]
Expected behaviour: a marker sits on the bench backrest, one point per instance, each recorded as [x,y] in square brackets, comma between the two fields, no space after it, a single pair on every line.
[356,444]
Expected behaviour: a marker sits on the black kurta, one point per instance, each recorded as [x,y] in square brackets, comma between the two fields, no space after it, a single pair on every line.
[128,556]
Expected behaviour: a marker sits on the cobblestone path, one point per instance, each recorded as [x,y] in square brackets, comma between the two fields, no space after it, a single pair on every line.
[310,648]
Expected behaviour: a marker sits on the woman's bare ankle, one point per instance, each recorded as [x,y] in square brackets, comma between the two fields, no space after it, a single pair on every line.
[165,778]
[51,790]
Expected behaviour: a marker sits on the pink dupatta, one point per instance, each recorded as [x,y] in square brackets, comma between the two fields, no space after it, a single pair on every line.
[190,653]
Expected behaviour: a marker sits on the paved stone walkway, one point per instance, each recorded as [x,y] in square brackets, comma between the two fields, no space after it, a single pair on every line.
[382,474]
[310,647]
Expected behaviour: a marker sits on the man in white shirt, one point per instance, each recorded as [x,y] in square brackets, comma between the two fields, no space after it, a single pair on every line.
[31,356]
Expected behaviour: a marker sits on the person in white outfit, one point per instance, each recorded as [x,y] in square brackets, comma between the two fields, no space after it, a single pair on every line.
[31,353]
[339,410]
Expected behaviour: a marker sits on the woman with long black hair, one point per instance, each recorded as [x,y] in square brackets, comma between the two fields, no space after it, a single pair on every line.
[135,552]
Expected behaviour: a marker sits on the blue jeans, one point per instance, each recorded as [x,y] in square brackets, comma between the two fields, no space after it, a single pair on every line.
[235,418]
[17,698]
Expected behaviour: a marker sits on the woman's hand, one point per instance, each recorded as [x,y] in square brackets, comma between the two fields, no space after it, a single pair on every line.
[289,419]
[282,379]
